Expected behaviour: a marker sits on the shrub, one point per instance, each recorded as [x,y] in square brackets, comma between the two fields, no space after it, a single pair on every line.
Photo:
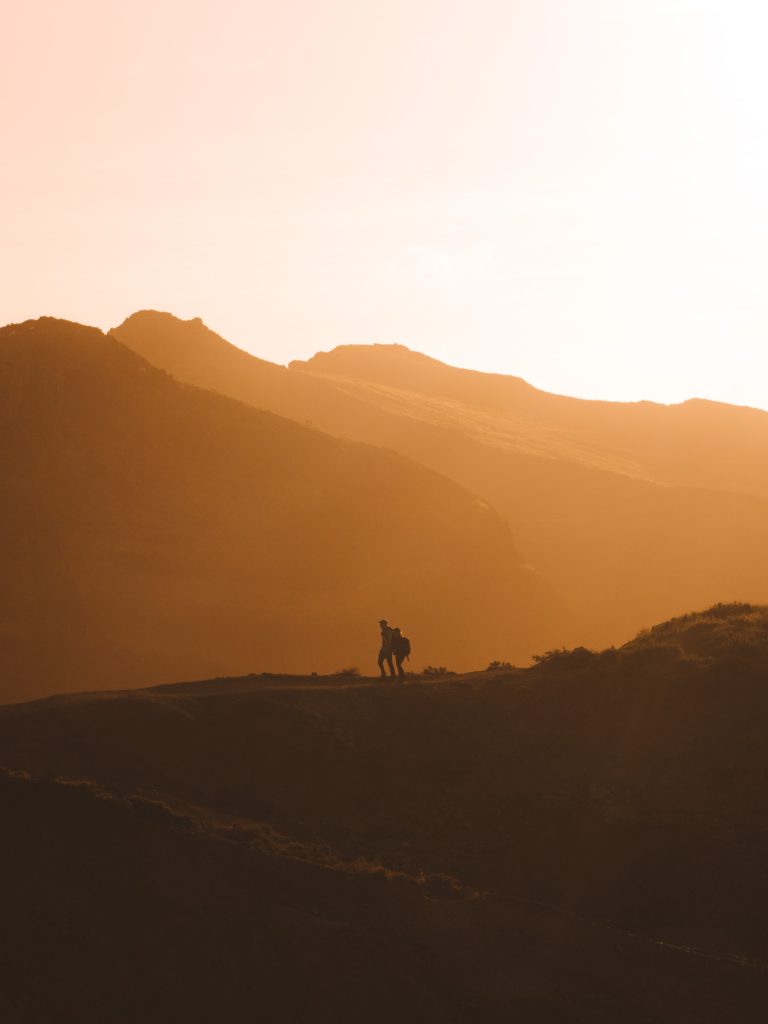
[437,670]
[561,657]
[650,658]
[553,655]
[352,671]
[494,666]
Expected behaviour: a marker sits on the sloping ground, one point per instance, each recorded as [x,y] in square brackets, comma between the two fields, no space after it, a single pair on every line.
[150,531]
[119,911]
[633,512]
[725,631]
[616,801]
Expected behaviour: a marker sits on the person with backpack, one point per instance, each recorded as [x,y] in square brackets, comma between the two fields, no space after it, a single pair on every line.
[401,648]
[385,651]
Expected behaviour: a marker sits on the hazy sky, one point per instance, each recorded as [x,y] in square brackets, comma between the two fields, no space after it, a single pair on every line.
[573,191]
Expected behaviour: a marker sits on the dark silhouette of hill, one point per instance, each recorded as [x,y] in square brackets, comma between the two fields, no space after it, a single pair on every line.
[577,841]
[151,531]
[632,511]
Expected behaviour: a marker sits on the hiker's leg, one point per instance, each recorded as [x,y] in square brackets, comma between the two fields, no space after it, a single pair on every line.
[400,670]
[391,666]
[382,656]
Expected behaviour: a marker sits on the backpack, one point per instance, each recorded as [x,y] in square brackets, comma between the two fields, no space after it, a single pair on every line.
[401,645]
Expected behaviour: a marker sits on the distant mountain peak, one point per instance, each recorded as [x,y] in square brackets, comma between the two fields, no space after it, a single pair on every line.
[63,345]
[160,316]
[375,353]
[397,366]
[166,324]
[188,349]
[50,325]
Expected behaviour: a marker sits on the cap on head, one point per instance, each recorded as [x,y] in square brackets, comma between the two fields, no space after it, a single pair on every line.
[382,622]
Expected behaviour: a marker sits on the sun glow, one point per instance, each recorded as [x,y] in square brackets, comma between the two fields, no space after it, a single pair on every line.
[573,193]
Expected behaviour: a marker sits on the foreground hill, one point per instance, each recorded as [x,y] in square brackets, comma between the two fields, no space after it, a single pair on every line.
[579,841]
[633,512]
[151,530]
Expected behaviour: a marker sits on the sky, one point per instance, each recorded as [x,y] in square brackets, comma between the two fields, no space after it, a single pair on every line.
[570,191]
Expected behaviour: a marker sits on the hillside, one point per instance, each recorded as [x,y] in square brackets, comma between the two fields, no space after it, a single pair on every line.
[577,841]
[194,354]
[151,531]
[632,512]
[697,443]
[174,920]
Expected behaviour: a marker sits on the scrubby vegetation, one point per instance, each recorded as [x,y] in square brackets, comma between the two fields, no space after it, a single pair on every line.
[722,630]
[726,633]
[551,655]
[564,658]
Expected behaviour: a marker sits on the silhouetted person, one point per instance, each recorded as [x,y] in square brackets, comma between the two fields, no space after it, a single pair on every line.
[385,651]
[401,648]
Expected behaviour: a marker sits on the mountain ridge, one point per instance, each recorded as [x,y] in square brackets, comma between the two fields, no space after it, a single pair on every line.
[153,529]
[604,499]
